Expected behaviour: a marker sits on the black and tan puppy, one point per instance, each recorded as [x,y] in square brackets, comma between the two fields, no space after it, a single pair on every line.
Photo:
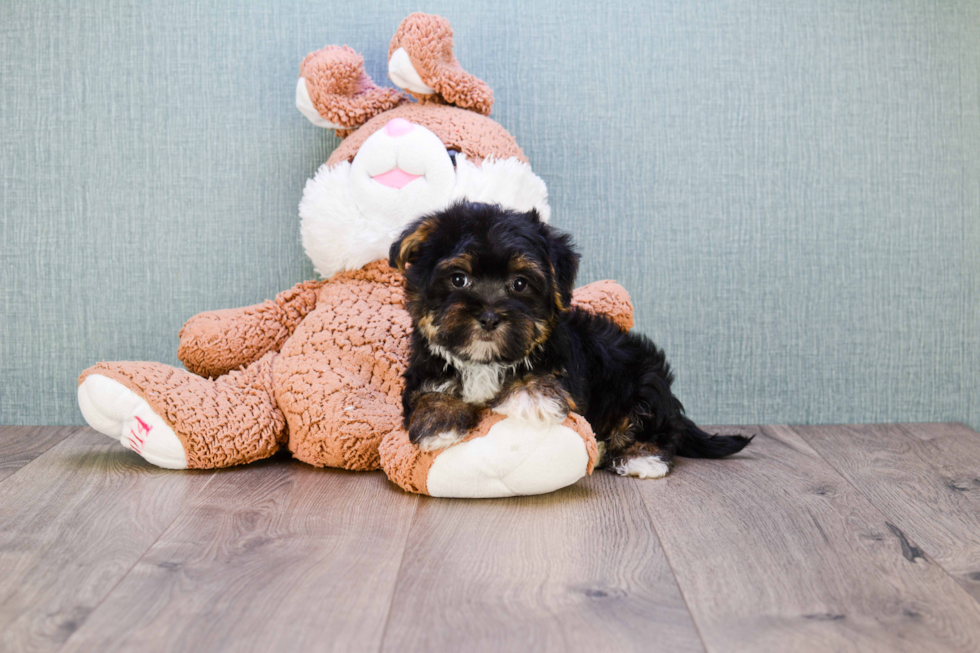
[489,292]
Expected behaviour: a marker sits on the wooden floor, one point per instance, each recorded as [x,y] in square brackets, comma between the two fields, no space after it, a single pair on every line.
[845,538]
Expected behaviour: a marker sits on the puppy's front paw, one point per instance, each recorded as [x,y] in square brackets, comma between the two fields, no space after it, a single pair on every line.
[438,440]
[440,420]
[538,401]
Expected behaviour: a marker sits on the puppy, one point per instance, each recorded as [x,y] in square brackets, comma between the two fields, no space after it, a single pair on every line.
[489,292]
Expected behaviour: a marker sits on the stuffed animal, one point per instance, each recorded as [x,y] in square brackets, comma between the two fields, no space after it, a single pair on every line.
[319,368]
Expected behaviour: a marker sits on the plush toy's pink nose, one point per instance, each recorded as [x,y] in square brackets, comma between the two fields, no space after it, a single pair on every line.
[398,127]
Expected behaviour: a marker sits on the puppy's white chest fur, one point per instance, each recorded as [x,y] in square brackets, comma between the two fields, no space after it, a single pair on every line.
[479,382]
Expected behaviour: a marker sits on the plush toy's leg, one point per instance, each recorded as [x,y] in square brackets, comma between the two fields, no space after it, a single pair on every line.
[336,421]
[179,420]
[114,410]
[502,457]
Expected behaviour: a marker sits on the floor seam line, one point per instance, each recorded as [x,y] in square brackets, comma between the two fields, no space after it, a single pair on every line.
[136,562]
[670,565]
[17,471]
[398,574]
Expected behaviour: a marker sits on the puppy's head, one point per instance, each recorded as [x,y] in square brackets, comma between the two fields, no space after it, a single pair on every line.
[485,284]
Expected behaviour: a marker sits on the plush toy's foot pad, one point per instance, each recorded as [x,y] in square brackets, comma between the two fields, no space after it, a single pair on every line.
[514,458]
[111,408]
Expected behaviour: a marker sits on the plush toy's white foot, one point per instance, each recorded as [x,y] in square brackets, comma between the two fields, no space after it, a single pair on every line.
[513,458]
[111,408]
[643,467]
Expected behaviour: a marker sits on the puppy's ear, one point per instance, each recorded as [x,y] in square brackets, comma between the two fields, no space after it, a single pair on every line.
[564,261]
[406,249]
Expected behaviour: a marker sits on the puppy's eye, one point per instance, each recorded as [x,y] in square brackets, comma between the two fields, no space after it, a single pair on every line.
[452,155]
[459,279]
[520,284]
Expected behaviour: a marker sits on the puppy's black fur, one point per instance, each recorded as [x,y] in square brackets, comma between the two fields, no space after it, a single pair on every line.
[489,292]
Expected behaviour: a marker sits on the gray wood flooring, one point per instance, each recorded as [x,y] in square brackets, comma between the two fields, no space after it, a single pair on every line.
[817,538]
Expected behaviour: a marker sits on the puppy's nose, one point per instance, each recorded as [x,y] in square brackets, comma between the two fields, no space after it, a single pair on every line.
[398,127]
[489,320]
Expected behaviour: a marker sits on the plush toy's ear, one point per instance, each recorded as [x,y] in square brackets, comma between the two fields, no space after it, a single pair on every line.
[405,250]
[421,61]
[334,91]
[564,261]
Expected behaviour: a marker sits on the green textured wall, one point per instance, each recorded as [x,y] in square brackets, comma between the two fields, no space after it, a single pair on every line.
[790,190]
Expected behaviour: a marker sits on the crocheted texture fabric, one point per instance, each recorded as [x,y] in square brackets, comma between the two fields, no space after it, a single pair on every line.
[606,298]
[428,41]
[216,342]
[339,377]
[341,91]
[220,422]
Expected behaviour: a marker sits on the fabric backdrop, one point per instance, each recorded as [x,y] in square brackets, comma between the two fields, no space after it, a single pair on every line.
[789,189]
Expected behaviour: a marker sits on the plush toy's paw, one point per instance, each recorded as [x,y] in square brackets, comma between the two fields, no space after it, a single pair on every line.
[539,402]
[111,408]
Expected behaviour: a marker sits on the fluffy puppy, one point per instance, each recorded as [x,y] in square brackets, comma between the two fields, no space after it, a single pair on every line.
[489,292]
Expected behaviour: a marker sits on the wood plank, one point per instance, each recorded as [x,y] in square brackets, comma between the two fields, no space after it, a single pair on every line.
[924,477]
[577,570]
[275,556]
[72,523]
[20,445]
[775,551]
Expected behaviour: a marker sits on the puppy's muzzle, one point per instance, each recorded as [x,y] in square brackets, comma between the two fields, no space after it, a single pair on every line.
[489,320]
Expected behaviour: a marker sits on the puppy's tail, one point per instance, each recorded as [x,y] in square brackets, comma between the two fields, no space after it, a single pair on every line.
[695,443]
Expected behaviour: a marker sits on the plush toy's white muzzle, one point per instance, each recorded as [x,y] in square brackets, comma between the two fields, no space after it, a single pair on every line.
[402,171]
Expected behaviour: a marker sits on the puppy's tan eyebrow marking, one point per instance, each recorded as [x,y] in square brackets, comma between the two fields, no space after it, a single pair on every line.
[521,263]
[462,262]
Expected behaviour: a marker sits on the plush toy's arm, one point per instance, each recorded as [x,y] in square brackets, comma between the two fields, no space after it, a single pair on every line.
[216,342]
[606,298]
